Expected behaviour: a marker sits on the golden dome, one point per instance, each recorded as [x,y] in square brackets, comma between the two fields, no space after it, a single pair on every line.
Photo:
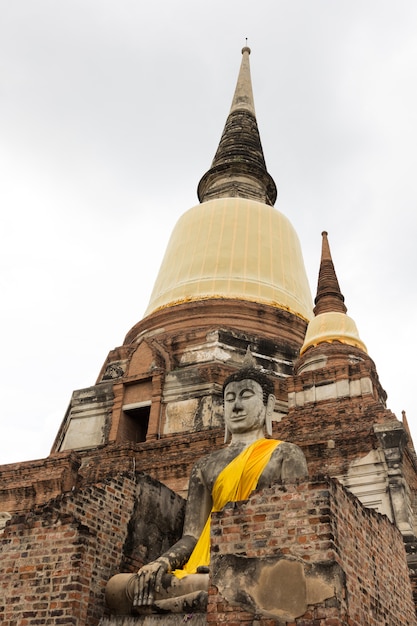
[332,326]
[233,248]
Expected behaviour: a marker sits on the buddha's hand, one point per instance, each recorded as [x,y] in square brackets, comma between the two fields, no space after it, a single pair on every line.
[148,581]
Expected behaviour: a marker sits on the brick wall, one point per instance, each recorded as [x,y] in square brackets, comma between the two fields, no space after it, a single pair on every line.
[333,433]
[169,460]
[56,561]
[371,552]
[319,525]
[28,484]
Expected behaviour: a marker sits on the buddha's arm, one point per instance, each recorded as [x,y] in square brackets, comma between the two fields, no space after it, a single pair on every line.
[197,510]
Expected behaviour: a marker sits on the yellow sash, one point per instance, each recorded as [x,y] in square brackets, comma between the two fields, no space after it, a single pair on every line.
[234,483]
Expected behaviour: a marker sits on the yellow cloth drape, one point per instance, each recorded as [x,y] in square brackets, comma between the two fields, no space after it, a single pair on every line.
[235,482]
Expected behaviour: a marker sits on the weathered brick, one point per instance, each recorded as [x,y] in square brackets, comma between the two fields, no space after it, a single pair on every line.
[352,536]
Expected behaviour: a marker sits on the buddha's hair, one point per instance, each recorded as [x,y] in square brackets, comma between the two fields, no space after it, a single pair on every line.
[252,373]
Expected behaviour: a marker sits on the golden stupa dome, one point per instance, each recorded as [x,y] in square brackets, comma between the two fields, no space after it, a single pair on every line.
[332,326]
[234,248]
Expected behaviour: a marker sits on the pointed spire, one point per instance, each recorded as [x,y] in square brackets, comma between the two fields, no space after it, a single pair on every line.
[243,96]
[330,322]
[329,298]
[238,168]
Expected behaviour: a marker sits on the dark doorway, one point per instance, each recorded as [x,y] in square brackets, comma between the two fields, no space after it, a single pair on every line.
[135,423]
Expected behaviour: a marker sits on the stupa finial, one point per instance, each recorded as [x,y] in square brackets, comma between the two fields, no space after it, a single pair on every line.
[238,167]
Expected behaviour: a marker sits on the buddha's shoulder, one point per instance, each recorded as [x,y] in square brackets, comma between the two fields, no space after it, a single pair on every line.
[287,462]
[220,456]
[286,448]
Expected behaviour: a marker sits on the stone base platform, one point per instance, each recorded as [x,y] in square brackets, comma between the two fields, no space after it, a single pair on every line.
[173,619]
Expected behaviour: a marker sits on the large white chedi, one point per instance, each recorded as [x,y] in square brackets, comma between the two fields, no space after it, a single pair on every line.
[233,248]
[235,244]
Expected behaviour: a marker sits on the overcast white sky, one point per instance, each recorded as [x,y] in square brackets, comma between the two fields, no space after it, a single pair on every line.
[110,114]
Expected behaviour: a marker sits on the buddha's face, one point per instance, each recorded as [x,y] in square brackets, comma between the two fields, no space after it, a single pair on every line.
[244,409]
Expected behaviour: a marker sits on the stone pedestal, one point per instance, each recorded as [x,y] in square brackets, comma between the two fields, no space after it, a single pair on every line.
[177,619]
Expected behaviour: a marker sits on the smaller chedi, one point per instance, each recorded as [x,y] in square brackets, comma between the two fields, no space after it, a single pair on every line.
[178,580]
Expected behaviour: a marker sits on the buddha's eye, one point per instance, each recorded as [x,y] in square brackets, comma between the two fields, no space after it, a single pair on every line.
[247,394]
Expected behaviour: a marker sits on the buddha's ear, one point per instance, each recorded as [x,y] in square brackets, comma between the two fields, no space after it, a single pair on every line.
[270,406]
[226,433]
